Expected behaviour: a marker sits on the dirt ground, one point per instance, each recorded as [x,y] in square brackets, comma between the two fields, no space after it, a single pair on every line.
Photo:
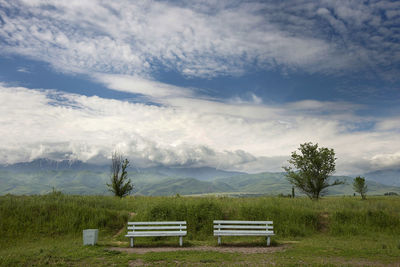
[224,249]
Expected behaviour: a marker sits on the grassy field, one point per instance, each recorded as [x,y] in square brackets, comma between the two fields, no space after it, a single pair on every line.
[335,231]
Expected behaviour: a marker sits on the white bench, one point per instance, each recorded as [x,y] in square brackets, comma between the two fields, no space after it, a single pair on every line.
[138,229]
[243,228]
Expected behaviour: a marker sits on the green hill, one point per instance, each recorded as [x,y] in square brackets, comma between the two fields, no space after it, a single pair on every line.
[183,186]
[89,182]
[258,183]
[276,183]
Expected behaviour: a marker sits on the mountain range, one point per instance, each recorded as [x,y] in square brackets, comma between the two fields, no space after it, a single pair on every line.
[76,177]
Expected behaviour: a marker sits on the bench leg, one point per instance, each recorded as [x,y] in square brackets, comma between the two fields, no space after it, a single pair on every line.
[131,242]
[219,240]
[181,241]
[268,241]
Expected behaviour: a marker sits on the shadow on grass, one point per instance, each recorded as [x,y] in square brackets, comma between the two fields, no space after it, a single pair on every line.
[189,244]
[146,244]
[273,243]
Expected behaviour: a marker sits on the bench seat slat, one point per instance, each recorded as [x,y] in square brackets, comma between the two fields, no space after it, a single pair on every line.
[154,233]
[241,233]
[242,222]
[243,227]
[156,227]
[156,223]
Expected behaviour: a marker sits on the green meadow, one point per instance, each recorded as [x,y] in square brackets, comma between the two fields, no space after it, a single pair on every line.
[335,231]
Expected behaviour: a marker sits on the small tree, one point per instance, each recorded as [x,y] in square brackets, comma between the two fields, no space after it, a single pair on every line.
[311,170]
[360,187]
[120,183]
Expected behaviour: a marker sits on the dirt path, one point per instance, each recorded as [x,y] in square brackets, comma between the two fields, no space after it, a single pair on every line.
[224,249]
[324,222]
[131,214]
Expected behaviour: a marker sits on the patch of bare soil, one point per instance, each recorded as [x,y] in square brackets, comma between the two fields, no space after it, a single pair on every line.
[359,262]
[224,249]
[131,214]
[140,262]
[137,262]
[324,222]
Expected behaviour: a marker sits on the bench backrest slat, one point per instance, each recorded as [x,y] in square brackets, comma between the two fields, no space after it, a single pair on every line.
[156,227]
[269,227]
[242,222]
[156,223]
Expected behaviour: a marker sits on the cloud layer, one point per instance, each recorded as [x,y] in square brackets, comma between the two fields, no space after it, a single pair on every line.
[189,133]
[207,39]
[124,44]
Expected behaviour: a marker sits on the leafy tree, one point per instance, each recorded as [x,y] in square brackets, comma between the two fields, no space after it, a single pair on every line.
[360,187]
[120,183]
[311,170]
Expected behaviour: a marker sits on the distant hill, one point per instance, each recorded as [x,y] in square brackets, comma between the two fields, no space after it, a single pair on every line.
[200,173]
[75,177]
[386,177]
[183,186]
[268,182]
[374,188]
[43,164]
[41,182]
[276,183]
[93,182]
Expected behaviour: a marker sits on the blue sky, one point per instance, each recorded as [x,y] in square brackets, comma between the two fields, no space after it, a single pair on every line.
[235,85]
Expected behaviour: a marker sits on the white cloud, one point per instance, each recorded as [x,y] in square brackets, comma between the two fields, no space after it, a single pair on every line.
[323,11]
[208,39]
[23,69]
[323,106]
[122,44]
[386,160]
[138,85]
[390,124]
[185,131]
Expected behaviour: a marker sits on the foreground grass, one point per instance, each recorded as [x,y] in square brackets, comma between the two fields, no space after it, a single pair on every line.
[336,231]
[317,250]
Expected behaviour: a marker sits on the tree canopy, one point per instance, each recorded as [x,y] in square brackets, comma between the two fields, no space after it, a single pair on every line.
[120,183]
[360,187]
[311,169]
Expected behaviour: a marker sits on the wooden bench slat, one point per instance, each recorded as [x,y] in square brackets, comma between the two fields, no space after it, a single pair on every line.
[242,222]
[154,233]
[223,226]
[156,227]
[156,223]
[243,233]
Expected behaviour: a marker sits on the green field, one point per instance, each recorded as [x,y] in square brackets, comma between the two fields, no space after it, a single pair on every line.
[335,231]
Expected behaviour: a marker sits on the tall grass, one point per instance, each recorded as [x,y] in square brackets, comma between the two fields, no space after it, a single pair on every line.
[58,214]
[292,217]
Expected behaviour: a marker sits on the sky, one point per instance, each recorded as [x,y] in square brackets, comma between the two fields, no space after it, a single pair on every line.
[235,85]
